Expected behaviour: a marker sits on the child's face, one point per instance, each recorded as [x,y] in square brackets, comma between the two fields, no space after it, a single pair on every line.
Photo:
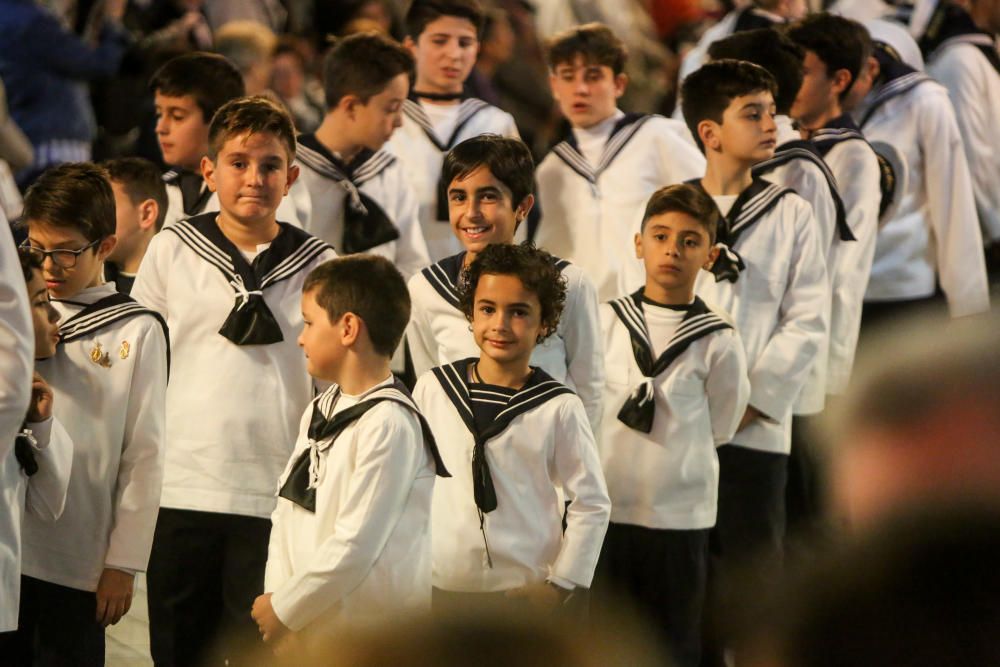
[674,246]
[445,53]
[43,316]
[747,132]
[181,130]
[817,93]
[481,210]
[587,93]
[378,119]
[132,221]
[251,174]
[320,340]
[66,275]
[506,319]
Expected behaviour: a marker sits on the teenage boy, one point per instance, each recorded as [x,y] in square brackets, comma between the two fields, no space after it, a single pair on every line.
[489,196]
[140,207]
[771,279]
[443,36]
[676,374]
[593,185]
[517,443]
[187,91]
[109,377]
[350,536]
[933,237]
[228,284]
[361,199]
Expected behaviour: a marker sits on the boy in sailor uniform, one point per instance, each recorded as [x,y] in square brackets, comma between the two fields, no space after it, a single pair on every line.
[108,377]
[933,238]
[34,476]
[350,537]
[676,388]
[594,183]
[489,196]
[771,278]
[443,36]
[361,199]
[187,91]
[512,437]
[228,284]
[140,208]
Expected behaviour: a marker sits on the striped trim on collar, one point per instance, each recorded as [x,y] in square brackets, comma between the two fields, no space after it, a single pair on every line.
[443,276]
[364,172]
[466,110]
[620,136]
[894,88]
[103,313]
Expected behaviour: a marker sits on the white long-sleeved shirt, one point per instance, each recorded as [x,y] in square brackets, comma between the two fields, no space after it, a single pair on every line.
[109,380]
[17,342]
[438,332]
[547,444]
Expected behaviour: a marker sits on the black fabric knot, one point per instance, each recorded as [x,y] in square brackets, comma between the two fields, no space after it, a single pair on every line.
[24,452]
[639,409]
[728,265]
[251,322]
[366,224]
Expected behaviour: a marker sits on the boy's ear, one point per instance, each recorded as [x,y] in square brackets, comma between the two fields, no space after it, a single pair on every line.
[105,247]
[708,132]
[842,81]
[149,210]
[293,175]
[350,328]
[410,44]
[713,254]
[208,172]
[522,210]
[638,245]
[621,83]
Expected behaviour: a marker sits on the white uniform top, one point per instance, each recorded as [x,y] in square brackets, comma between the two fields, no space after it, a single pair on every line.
[379,175]
[438,332]
[668,478]
[366,549]
[232,410]
[590,215]
[974,87]
[295,208]
[43,495]
[422,153]
[934,235]
[109,378]
[17,342]
[545,444]
[778,303]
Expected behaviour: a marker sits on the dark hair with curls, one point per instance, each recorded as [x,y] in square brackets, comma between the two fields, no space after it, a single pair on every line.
[595,42]
[535,268]
[509,160]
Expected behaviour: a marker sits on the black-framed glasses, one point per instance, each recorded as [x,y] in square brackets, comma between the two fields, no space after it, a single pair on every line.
[60,256]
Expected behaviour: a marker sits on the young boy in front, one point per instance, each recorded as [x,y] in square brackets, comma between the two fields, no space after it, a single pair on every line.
[771,279]
[443,36]
[229,285]
[489,196]
[512,437]
[140,207]
[350,536]
[676,389]
[593,185]
[187,91]
[108,377]
[361,200]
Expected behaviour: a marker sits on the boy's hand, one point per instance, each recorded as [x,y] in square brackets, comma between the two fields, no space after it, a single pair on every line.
[541,595]
[271,627]
[40,407]
[114,595]
[750,415]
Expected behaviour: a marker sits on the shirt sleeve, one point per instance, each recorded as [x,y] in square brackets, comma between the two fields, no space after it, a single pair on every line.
[420,338]
[411,248]
[278,569]
[584,351]
[46,495]
[727,386]
[150,288]
[17,342]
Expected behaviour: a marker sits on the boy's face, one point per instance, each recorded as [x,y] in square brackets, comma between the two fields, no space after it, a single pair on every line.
[817,94]
[506,319]
[587,93]
[673,246]
[445,53]
[66,276]
[44,317]
[181,130]
[747,132]
[132,222]
[481,210]
[378,119]
[320,340]
[251,174]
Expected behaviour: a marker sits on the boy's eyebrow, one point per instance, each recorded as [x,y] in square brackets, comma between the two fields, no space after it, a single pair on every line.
[754,105]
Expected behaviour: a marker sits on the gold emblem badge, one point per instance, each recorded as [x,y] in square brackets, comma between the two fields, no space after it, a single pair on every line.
[124,350]
[100,357]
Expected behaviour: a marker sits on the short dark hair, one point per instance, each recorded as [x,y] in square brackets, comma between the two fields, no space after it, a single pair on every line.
[29,263]
[76,195]
[368,286]
[207,77]
[535,268]
[363,65]
[422,12]
[141,180]
[251,115]
[595,42]
[707,92]
[509,160]
[839,42]
[772,50]
[684,198]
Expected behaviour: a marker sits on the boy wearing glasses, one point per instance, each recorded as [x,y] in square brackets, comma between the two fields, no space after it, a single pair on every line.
[108,376]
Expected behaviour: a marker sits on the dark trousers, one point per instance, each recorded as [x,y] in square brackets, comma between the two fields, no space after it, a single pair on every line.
[205,571]
[57,627]
[662,574]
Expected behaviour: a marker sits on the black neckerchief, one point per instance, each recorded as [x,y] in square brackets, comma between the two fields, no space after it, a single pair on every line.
[194,191]
[950,24]
[445,276]
[24,450]
[303,478]
[896,78]
[366,224]
[250,322]
[568,150]
[699,321]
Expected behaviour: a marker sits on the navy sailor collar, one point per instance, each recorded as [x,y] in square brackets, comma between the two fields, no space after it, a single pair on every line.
[897,78]
[365,166]
[467,108]
[568,149]
[950,24]
[195,193]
